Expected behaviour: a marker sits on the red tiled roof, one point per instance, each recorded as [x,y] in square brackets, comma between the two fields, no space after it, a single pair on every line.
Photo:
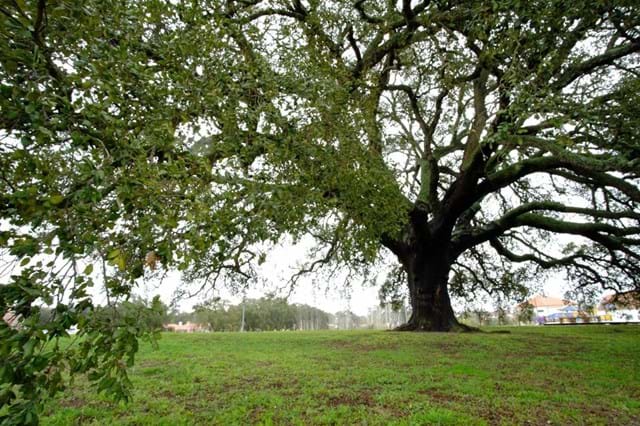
[544,301]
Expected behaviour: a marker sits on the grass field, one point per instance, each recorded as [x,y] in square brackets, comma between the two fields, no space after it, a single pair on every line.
[534,375]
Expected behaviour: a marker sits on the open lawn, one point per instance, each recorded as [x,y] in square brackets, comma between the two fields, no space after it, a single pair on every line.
[534,375]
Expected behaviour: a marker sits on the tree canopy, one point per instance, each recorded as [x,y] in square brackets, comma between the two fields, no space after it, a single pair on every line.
[460,136]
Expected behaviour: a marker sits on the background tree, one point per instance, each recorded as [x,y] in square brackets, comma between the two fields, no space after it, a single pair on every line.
[310,318]
[269,313]
[347,320]
[502,315]
[459,136]
[263,314]
[217,314]
[525,313]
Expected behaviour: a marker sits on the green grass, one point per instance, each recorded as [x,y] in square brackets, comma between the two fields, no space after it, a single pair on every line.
[534,375]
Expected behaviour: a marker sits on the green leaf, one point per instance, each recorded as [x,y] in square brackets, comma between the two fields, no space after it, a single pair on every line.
[113,254]
[120,262]
[56,199]
[88,269]
[115,257]
[28,348]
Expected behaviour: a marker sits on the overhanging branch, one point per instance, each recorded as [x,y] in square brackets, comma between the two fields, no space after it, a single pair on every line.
[610,236]
[545,263]
[607,58]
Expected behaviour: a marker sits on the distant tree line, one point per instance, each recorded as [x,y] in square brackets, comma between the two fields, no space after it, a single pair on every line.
[273,313]
[263,314]
[388,315]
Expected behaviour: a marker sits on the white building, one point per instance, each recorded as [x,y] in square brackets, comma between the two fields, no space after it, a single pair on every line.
[544,306]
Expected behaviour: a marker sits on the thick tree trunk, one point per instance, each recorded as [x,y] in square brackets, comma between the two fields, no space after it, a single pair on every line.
[428,275]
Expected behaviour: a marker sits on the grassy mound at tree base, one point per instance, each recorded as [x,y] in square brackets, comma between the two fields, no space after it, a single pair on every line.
[533,375]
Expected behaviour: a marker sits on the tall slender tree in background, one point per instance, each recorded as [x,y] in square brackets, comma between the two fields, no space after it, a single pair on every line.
[459,136]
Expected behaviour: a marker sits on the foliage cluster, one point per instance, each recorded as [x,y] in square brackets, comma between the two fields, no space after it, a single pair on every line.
[39,352]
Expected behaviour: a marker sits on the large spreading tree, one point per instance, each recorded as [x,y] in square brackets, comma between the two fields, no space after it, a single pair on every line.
[460,136]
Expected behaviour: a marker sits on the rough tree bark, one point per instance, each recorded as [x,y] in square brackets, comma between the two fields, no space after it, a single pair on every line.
[427,268]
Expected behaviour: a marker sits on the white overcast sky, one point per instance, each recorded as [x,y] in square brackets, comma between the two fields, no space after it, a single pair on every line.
[311,290]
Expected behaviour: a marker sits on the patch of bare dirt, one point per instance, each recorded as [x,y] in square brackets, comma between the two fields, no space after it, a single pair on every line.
[363,398]
[256,414]
[166,393]
[494,415]
[73,402]
[279,384]
[609,414]
[441,397]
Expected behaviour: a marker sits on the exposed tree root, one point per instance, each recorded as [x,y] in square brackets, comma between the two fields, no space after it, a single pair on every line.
[454,327]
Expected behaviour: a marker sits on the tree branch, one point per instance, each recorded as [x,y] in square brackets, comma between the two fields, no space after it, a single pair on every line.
[578,70]
[606,234]
[543,263]
[359,6]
